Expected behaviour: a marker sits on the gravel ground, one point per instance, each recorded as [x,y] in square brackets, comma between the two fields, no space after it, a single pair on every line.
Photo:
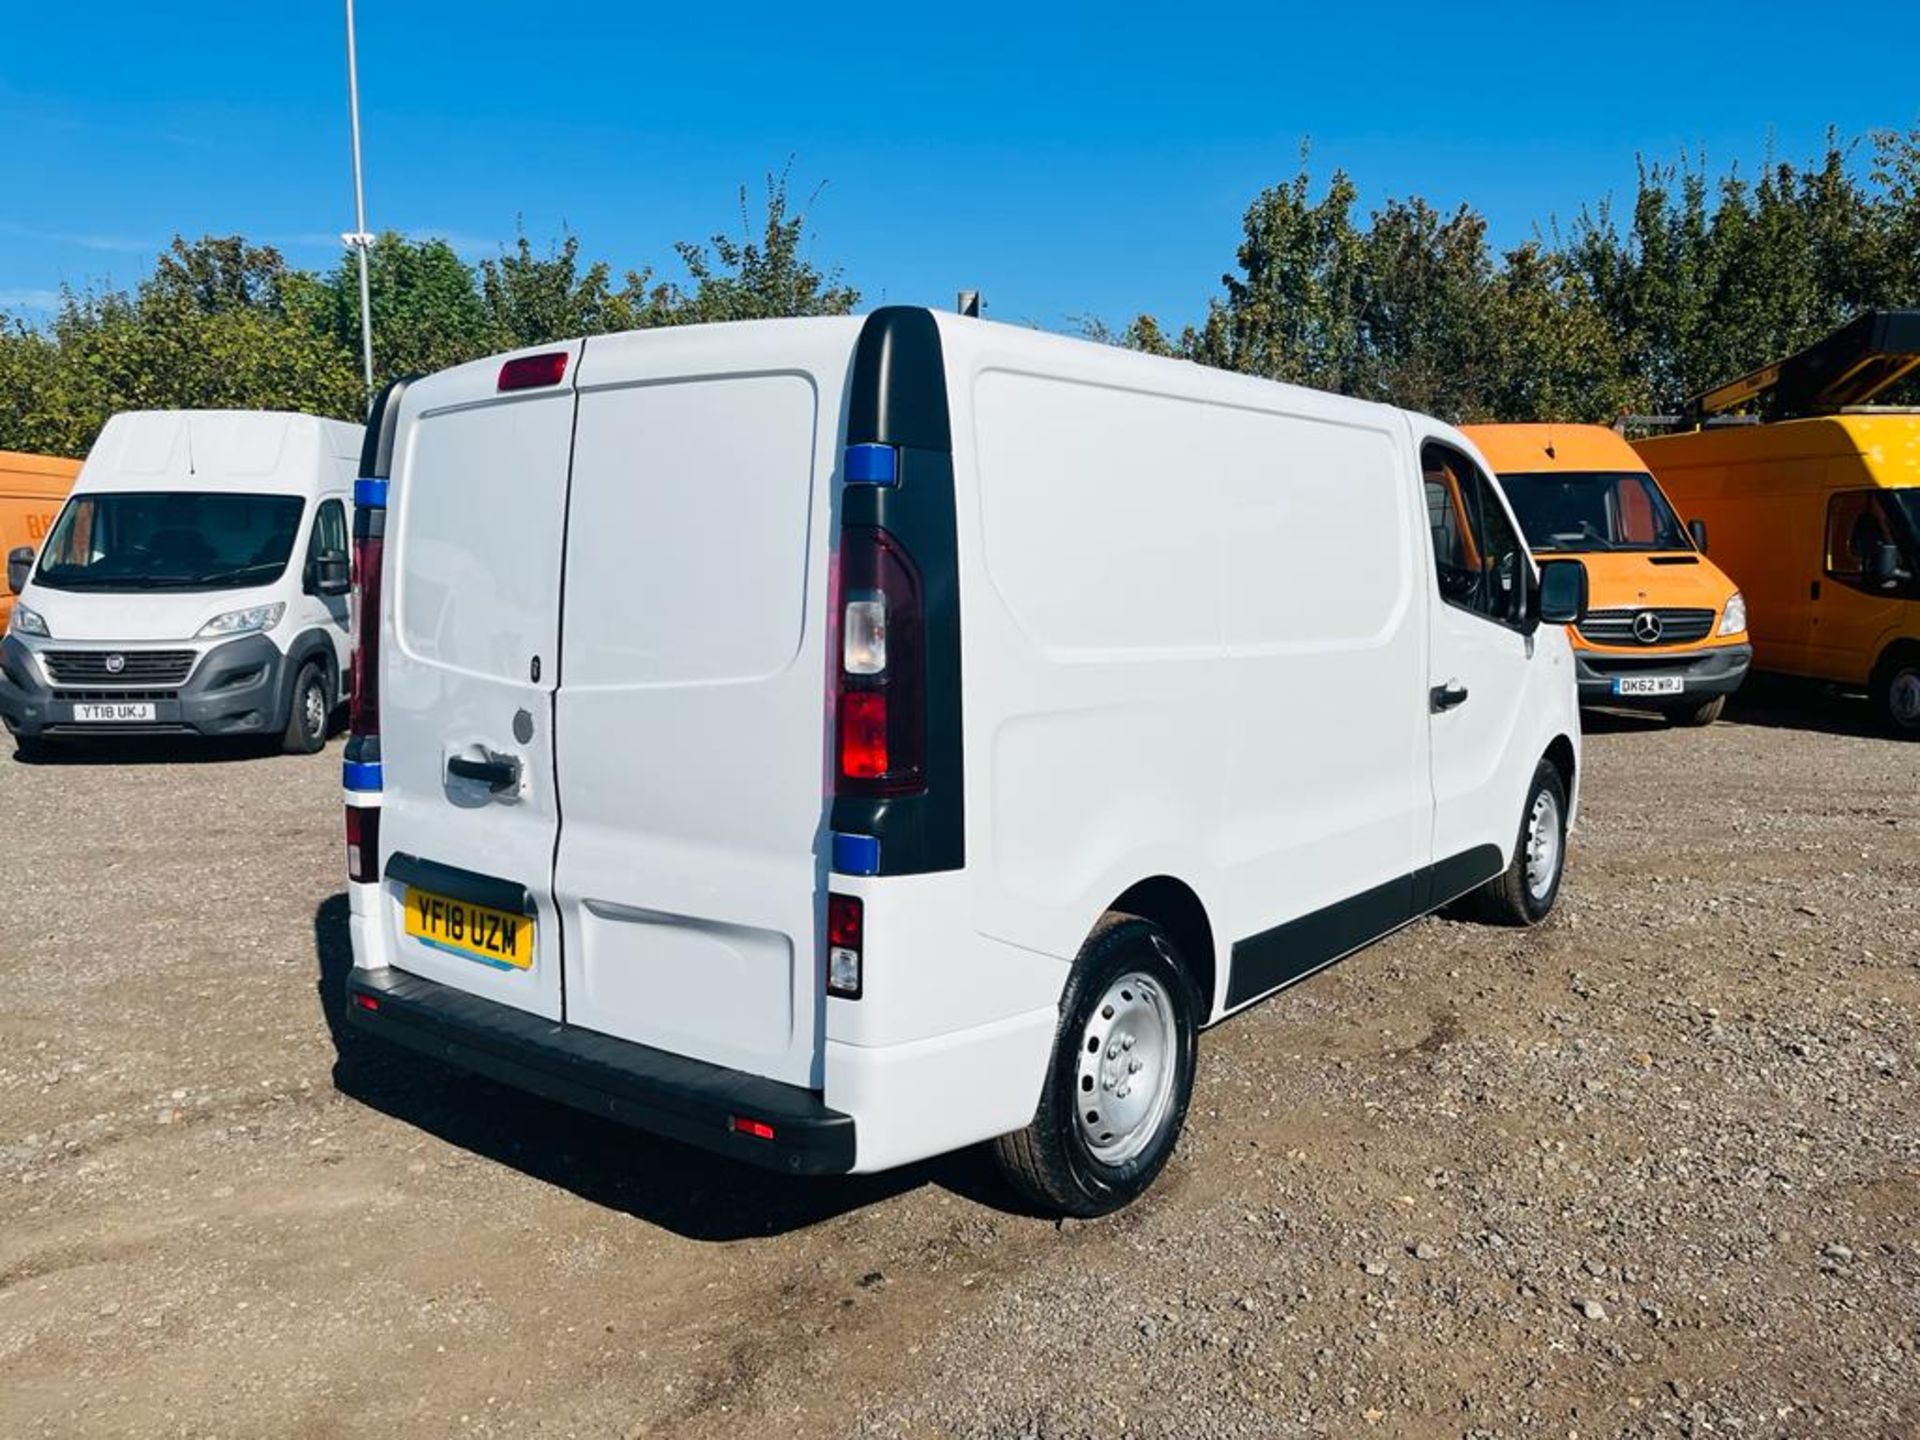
[1648,1170]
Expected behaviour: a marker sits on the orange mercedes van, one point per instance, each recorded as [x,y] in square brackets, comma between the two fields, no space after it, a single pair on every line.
[1813,496]
[32,488]
[1665,630]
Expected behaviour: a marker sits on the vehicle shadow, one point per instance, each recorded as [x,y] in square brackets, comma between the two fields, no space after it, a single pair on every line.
[693,1194]
[147,750]
[1781,704]
[1621,722]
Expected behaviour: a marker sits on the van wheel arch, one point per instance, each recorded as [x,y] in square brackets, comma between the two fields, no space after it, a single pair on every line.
[1173,905]
[317,646]
[1560,755]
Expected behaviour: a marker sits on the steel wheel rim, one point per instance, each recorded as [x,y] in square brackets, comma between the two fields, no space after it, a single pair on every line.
[1543,844]
[1903,697]
[1125,1080]
[314,704]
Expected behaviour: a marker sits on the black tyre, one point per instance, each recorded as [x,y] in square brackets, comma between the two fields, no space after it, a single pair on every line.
[1896,692]
[1524,892]
[1701,712]
[309,710]
[35,749]
[1120,1080]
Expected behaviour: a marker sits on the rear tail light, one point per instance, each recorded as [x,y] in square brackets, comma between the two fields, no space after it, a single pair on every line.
[364,707]
[747,1125]
[530,372]
[881,667]
[363,844]
[845,923]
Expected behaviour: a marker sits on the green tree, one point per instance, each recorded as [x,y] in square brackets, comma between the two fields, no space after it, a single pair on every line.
[762,273]
[428,312]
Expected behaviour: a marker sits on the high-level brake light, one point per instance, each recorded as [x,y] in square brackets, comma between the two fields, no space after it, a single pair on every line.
[530,372]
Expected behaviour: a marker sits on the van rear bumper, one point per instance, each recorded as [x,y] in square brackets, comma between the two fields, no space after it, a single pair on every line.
[670,1095]
[1706,673]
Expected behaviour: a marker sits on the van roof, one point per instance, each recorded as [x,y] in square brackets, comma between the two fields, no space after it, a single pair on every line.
[1889,445]
[1544,448]
[252,450]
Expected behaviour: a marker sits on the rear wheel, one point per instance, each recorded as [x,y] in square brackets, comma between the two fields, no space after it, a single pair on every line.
[309,712]
[1701,712]
[1524,892]
[1896,692]
[1121,1077]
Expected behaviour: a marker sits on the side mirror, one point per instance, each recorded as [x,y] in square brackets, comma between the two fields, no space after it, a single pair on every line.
[1563,592]
[1884,570]
[1698,530]
[19,566]
[329,574]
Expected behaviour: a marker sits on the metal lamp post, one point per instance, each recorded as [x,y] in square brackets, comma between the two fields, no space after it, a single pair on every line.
[359,239]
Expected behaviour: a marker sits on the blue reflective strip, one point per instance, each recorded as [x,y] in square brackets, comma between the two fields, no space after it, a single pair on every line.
[870,464]
[856,854]
[361,774]
[370,494]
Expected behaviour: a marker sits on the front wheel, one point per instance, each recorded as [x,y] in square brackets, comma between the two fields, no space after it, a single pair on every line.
[1896,693]
[1703,712]
[1121,1077]
[309,712]
[1524,892]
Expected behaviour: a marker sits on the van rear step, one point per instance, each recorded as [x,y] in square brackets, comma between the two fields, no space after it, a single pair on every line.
[745,1117]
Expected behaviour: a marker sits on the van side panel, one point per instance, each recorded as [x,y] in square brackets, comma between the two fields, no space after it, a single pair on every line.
[1197,649]
[1765,518]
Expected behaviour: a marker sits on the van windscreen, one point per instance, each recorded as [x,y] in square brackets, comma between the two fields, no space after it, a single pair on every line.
[170,539]
[1587,510]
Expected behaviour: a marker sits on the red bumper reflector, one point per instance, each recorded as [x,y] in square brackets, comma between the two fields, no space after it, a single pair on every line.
[759,1129]
[366,1002]
[530,372]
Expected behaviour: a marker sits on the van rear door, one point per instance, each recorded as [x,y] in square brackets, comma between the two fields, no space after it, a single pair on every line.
[469,812]
[691,714]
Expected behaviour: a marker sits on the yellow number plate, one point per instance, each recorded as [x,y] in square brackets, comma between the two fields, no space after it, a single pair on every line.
[493,937]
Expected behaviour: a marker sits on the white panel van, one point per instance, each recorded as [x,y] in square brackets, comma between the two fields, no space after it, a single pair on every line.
[836,741]
[195,583]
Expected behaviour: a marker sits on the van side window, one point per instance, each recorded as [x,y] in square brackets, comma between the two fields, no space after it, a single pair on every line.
[1480,561]
[329,530]
[1857,523]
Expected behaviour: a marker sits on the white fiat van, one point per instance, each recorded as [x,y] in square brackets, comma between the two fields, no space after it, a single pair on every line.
[194,583]
[832,742]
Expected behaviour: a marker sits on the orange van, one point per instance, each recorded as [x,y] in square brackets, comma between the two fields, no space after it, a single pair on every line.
[32,489]
[1814,497]
[1664,630]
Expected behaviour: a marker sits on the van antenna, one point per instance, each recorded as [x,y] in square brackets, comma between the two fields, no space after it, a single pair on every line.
[1550,454]
[190,469]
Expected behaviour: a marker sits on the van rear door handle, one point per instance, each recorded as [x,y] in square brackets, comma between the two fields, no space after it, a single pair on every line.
[1445,697]
[499,773]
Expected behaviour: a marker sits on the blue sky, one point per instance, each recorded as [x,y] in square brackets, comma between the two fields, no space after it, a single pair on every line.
[1067,162]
